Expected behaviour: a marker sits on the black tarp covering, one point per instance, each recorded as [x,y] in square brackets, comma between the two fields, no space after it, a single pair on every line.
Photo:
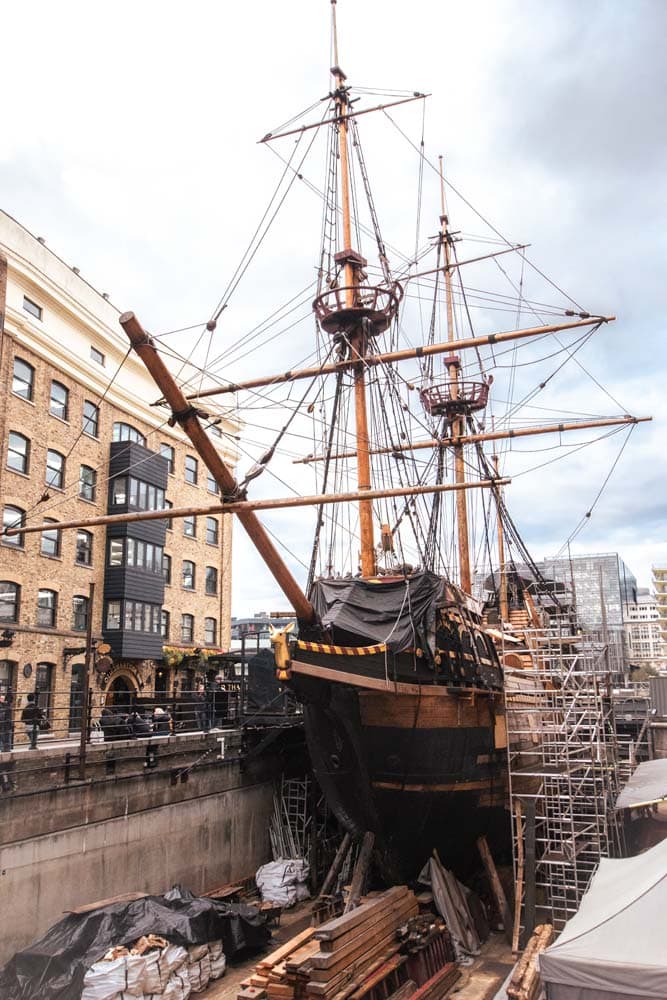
[400,613]
[53,968]
[263,690]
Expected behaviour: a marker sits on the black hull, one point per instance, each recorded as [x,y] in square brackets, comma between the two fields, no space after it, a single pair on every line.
[422,770]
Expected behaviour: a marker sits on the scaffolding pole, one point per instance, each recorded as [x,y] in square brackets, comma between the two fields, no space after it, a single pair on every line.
[563,762]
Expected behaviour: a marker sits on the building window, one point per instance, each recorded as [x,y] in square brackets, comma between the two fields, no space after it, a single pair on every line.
[49,544]
[211,580]
[211,484]
[32,307]
[59,400]
[191,469]
[97,355]
[7,676]
[79,613]
[145,496]
[91,418]
[166,567]
[164,624]
[13,517]
[190,526]
[18,452]
[10,600]
[84,548]
[212,531]
[168,452]
[44,685]
[87,483]
[55,469]
[187,628]
[23,380]
[210,631]
[214,430]
[126,432]
[116,552]
[119,491]
[113,616]
[47,602]
[170,521]
[188,575]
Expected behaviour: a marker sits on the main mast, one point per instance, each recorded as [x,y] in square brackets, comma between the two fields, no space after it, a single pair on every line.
[354,313]
[453,365]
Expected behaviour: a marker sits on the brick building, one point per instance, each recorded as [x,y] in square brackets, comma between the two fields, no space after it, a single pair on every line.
[79,439]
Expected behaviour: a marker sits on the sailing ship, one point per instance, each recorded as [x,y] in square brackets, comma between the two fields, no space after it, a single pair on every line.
[398,660]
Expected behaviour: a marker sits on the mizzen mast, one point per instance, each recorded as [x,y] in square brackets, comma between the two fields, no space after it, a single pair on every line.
[455,399]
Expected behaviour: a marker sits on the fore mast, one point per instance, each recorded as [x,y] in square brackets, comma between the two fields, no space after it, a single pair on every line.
[354,312]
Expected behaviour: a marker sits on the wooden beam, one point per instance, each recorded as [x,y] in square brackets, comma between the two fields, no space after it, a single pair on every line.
[518,890]
[496,887]
[243,506]
[446,442]
[185,415]
[389,358]
[360,871]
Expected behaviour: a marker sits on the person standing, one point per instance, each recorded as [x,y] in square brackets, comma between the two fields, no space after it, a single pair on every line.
[32,717]
[161,721]
[5,722]
[201,708]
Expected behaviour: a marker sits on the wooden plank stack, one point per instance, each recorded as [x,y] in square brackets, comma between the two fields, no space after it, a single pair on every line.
[335,960]
[525,981]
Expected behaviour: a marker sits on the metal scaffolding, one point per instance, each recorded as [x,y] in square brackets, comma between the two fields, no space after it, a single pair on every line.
[563,768]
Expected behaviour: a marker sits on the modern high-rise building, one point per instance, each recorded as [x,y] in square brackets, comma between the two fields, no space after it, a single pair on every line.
[600,585]
[80,438]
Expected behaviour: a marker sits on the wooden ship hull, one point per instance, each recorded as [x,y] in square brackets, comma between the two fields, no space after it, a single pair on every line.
[412,749]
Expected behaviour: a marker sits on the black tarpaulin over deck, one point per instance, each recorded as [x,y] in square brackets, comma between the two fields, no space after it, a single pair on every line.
[53,968]
[400,613]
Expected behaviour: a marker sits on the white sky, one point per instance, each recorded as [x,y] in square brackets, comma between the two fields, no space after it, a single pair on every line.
[130,143]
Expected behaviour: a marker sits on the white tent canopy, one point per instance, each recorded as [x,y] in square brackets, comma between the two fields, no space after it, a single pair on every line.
[615,947]
[647,785]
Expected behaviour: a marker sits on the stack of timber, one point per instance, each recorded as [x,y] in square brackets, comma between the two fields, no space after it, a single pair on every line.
[525,981]
[271,976]
[348,957]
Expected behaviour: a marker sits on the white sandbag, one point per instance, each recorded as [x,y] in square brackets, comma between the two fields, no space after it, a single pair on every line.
[152,980]
[135,969]
[214,949]
[178,986]
[302,892]
[218,967]
[104,980]
[200,973]
[171,958]
[196,952]
[277,881]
